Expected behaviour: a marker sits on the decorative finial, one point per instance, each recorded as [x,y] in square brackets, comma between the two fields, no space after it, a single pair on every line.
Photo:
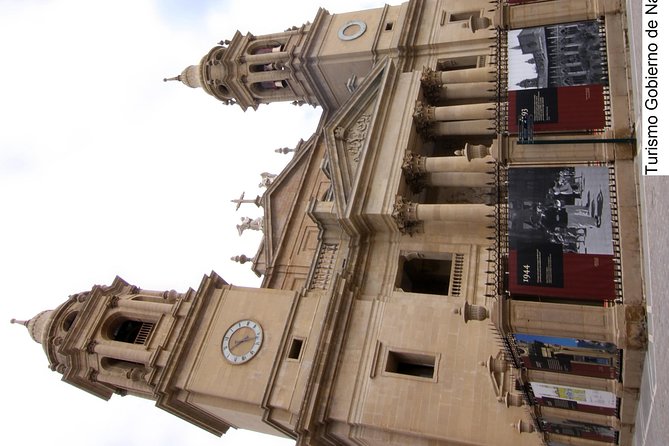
[241,200]
[175,78]
[284,150]
[16,321]
[242,259]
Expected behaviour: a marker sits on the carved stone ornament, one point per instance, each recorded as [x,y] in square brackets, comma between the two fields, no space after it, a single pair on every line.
[248,223]
[413,167]
[113,301]
[92,375]
[90,346]
[266,179]
[354,138]
[431,82]
[61,368]
[340,133]
[404,214]
[423,114]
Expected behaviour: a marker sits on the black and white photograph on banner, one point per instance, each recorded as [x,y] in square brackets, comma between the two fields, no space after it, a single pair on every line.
[569,206]
[562,55]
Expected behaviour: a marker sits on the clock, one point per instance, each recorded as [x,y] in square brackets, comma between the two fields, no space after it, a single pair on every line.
[351,30]
[242,341]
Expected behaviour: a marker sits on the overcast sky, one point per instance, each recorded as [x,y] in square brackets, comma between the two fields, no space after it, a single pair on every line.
[105,170]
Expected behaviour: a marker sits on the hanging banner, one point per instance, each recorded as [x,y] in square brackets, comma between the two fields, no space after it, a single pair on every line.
[580,429]
[568,355]
[556,75]
[575,398]
[560,232]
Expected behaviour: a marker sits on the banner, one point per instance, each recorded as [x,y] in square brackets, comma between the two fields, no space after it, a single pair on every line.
[575,398]
[560,232]
[568,355]
[556,76]
[580,429]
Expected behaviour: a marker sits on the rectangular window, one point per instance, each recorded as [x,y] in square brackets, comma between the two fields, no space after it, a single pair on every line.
[418,365]
[461,63]
[463,16]
[389,26]
[295,350]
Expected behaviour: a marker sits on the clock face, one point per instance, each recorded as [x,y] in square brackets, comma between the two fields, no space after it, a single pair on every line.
[242,341]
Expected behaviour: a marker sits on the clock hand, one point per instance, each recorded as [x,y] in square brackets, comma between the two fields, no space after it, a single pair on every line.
[241,341]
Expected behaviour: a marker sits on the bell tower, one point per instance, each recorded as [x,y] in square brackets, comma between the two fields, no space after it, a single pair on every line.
[205,355]
[250,70]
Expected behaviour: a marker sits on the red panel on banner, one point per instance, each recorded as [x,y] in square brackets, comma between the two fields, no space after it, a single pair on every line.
[585,277]
[575,368]
[558,109]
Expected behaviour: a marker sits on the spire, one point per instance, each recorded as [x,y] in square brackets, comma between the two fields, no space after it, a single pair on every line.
[37,325]
[190,76]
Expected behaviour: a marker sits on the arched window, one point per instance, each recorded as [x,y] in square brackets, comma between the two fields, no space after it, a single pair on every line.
[265,48]
[113,363]
[270,85]
[130,331]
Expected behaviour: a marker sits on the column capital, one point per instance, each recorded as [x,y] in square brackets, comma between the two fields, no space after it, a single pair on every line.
[404,214]
[423,114]
[414,170]
[432,82]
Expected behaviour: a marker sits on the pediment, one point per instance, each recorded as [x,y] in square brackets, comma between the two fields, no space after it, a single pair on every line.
[350,133]
[278,202]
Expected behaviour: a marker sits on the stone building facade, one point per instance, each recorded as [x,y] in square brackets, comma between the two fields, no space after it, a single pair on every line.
[451,258]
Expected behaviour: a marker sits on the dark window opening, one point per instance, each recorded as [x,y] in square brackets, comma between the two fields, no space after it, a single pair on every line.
[458,63]
[462,16]
[69,320]
[295,348]
[267,49]
[426,276]
[389,26]
[132,332]
[412,364]
[109,363]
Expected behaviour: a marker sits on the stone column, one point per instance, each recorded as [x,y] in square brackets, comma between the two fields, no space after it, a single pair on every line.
[473,90]
[466,112]
[454,179]
[267,76]
[463,128]
[452,212]
[438,78]
[565,320]
[145,306]
[265,58]
[445,171]
[123,351]
[407,214]
[133,379]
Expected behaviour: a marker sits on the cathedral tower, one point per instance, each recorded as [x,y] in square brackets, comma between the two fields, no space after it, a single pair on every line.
[250,70]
